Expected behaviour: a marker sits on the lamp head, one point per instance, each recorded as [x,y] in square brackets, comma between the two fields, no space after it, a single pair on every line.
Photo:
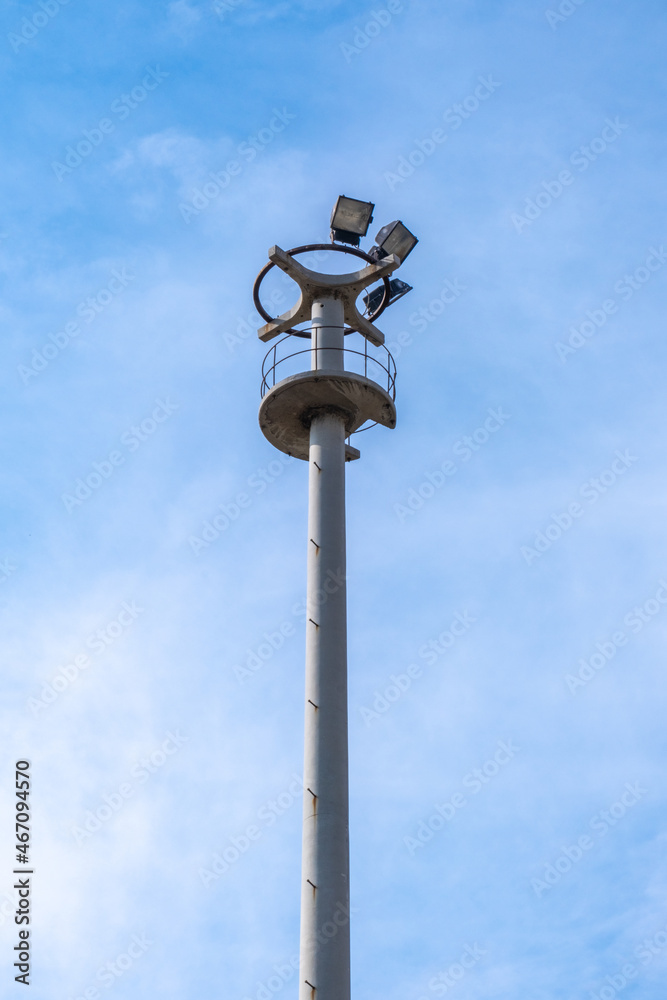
[397,289]
[350,220]
[394,238]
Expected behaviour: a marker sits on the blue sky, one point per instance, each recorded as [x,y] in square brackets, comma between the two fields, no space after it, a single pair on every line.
[509,806]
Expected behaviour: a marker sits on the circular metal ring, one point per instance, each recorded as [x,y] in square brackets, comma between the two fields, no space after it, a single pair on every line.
[309,247]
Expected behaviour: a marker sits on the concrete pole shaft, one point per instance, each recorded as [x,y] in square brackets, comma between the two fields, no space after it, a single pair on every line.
[325,900]
[327,334]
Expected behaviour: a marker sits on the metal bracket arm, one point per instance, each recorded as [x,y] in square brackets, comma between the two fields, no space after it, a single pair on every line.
[315,286]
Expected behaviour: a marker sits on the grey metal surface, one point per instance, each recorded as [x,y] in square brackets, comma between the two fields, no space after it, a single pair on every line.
[325,899]
[325,890]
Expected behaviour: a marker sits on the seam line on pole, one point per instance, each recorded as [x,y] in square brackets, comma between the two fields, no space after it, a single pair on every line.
[314,623]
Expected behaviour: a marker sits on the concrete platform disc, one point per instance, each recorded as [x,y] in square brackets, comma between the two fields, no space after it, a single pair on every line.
[287,409]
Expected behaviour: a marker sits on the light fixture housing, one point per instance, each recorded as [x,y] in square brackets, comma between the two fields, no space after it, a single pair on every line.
[394,238]
[350,220]
[397,289]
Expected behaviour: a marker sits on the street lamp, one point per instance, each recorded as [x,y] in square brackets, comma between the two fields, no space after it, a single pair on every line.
[397,289]
[310,414]
[350,220]
[394,238]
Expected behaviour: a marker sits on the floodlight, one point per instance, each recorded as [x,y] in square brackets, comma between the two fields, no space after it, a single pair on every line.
[397,289]
[350,219]
[394,238]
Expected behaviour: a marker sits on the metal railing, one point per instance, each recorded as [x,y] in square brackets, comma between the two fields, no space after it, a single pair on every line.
[380,370]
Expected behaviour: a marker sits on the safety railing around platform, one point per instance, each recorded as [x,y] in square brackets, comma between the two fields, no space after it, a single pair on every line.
[278,365]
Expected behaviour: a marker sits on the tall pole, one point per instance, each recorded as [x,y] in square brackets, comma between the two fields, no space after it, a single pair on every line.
[309,415]
[325,898]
